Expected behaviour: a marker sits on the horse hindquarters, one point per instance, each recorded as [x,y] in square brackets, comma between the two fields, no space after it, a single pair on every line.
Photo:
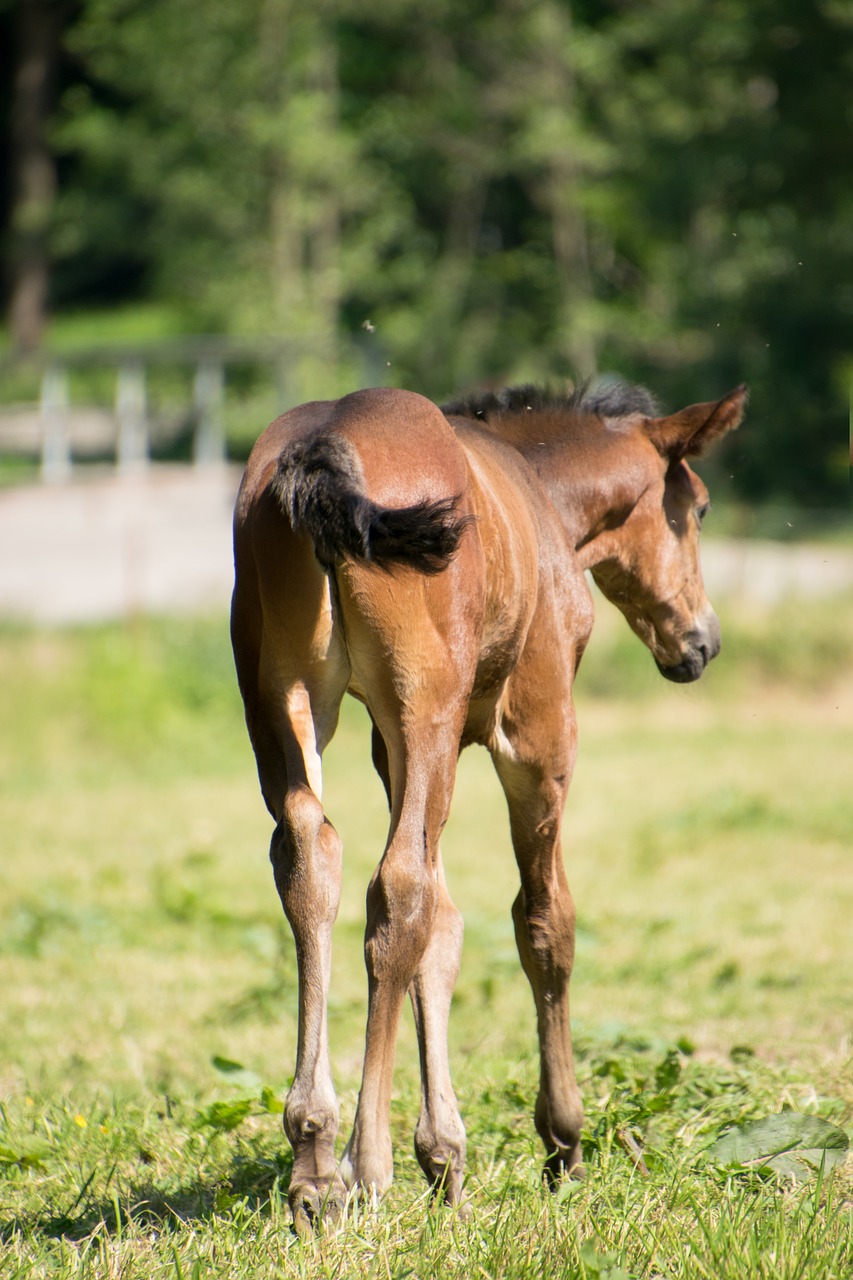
[293,672]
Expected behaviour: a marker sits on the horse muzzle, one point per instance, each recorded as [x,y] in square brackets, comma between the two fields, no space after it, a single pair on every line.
[702,644]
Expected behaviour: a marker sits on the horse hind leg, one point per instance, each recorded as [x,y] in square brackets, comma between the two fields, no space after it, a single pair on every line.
[440,1143]
[306,856]
[292,694]
[420,721]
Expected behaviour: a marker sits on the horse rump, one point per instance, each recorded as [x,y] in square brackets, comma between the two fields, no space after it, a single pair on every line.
[319,484]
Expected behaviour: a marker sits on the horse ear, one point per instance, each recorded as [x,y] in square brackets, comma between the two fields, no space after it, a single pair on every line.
[691,431]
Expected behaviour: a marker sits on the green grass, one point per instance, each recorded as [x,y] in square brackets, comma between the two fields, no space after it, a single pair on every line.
[707,838]
[98,327]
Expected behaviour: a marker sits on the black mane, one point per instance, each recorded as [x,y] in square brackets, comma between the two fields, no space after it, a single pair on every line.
[607,398]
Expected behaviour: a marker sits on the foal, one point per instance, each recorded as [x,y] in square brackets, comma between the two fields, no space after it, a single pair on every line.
[431,563]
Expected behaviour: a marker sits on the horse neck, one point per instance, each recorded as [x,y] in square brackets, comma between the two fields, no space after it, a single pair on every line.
[592,489]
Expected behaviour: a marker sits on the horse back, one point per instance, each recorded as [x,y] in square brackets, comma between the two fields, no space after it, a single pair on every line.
[403,443]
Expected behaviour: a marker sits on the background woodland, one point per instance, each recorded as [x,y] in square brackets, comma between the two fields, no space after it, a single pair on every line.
[455,194]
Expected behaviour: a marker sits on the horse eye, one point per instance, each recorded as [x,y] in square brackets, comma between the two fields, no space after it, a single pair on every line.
[702,511]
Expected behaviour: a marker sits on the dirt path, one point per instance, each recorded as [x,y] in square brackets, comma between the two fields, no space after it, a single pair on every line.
[112,546]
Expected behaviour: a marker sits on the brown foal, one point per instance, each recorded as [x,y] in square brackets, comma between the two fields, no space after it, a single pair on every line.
[431,563]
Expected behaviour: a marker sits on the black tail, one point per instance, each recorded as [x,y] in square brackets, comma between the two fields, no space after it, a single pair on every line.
[319,483]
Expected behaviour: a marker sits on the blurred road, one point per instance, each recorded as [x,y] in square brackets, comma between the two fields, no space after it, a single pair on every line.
[160,541]
[117,545]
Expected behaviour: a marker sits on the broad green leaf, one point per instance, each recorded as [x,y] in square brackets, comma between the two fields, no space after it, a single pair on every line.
[789,1143]
[27,1155]
[223,1200]
[668,1071]
[225,1116]
[236,1072]
[270,1101]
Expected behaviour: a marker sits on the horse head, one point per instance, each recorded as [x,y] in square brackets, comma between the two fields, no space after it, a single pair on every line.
[648,565]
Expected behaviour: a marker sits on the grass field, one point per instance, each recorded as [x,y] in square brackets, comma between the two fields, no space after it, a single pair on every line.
[142,951]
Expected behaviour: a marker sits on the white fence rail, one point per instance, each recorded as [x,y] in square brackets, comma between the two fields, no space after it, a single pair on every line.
[59,431]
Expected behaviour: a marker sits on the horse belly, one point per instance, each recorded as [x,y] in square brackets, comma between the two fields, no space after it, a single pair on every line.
[510,545]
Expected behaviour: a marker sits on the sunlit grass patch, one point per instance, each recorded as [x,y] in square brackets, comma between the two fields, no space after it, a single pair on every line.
[142,943]
[159,1190]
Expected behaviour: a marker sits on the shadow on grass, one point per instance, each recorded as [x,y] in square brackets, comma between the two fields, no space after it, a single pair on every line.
[250,1183]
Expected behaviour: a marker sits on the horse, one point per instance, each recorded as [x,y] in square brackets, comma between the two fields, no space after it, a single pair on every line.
[432,563]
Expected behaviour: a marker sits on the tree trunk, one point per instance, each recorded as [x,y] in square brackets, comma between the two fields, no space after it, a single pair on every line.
[300,59]
[561,194]
[33,172]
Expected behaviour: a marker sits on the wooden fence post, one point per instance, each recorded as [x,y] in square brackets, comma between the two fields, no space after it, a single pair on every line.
[132,420]
[209,400]
[55,437]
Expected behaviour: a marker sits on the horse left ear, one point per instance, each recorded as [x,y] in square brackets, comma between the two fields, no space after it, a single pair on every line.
[692,431]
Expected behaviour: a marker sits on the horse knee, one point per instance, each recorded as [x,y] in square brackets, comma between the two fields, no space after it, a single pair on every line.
[401,905]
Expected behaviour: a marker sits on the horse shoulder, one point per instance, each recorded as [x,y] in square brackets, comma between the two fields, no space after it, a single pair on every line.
[503,500]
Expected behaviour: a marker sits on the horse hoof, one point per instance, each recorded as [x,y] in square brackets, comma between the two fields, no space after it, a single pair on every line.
[463,1209]
[315,1203]
[447,1185]
[563,1163]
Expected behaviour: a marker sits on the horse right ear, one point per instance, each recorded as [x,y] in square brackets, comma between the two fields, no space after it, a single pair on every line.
[692,431]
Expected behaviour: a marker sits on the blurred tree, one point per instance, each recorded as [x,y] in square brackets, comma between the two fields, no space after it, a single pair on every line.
[479,191]
[34,32]
[251,201]
[735,129]
[558,156]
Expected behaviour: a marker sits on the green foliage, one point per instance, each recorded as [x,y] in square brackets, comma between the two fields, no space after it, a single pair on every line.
[26,1154]
[445,195]
[105,702]
[150,1190]
[789,1144]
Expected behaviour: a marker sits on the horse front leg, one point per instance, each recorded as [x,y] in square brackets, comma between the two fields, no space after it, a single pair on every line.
[544,918]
